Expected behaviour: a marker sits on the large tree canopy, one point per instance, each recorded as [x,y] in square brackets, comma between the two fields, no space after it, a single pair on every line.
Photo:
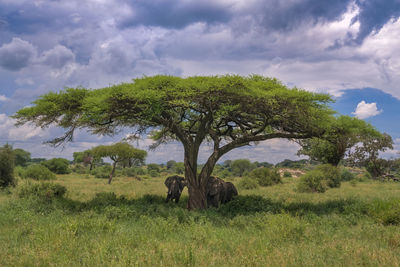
[228,111]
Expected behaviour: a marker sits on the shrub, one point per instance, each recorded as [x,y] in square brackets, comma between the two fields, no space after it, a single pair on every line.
[43,191]
[140,171]
[331,173]
[7,160]
[312,182]
[154,173]
[346,175]
[78,168]
[287,174]
[265,176]
[129,172]
[38,172]
[57,165]
[247,183]
[102,171]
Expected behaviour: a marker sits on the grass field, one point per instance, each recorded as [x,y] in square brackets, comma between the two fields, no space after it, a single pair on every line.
[356,224]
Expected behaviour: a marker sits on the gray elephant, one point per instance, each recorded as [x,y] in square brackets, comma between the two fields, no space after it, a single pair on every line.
[175,186]
[230,191]
[219,191]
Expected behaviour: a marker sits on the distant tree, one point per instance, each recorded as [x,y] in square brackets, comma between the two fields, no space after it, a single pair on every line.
[57,165]
[37,160]
[78,157]
[22,157]
[343,133]
[226,111]
[117,153]
[179,168]
[170,164]
[7,163]
[367,154]
[241,166]
[153,167]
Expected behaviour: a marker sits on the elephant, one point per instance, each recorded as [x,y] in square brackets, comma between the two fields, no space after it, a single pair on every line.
[175,186]
[219,192]
[230,191]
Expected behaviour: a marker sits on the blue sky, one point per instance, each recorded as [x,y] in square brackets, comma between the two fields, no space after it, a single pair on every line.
[348,48]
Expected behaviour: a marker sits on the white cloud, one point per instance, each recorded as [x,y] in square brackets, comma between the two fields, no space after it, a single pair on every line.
[3,98]
[8,132]
[365,110]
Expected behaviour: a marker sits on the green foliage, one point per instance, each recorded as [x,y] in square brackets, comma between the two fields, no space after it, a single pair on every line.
[312,182]
[346,175]
[386,212]
[7,163]
[38,172]
[57,165]
[79,168]
[294,164]
[320,179]
[153,167]
[179,168]
[248,183]
[367,155]
[129,172]
[331,173]
[265,176]
[287,174]
[42,191]
[102,171]
[241,166]
[340,136]
[22,157]
[153,173]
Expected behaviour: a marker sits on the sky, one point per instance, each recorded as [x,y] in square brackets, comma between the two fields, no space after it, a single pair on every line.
[347,48]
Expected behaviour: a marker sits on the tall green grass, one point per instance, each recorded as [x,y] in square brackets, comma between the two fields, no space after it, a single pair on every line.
[128,223]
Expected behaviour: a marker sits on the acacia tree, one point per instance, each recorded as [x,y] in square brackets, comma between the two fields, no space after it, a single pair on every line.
[341,135]
[226,111]
[367,154]
[119,152]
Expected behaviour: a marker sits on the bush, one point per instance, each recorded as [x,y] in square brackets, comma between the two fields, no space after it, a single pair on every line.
[287,174]
[43,191]
[346,175]
[102,171]
[140,171]
[129,172]
[57,165]
[78,168]
[247,183]
[320,179]
[7,160]
[265,176]
[38,172]
[331,173]
[312,182]
[153,173]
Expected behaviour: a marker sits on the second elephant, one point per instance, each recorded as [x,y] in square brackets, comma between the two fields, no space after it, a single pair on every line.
[219,192]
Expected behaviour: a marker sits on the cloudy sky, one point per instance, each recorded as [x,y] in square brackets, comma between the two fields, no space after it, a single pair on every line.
[348,48]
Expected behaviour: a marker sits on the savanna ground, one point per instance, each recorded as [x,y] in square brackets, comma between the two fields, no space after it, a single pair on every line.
[356,224]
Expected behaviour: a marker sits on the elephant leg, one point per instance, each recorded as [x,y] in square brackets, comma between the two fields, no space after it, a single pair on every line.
[177,198]
[168,198]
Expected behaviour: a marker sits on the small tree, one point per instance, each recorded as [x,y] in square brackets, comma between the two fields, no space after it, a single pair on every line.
[343,133]
[117,153]
[7,161]
[57,165]
[241,166]
[22,157]
[367,154]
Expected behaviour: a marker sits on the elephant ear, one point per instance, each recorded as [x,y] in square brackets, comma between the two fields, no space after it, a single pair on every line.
[168,181]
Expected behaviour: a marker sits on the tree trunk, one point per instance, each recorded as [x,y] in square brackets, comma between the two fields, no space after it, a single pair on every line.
[197,184]
[112,173]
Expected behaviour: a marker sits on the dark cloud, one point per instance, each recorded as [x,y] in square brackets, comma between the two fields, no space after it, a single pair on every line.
[374,14]
[16,55]
[176,14]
